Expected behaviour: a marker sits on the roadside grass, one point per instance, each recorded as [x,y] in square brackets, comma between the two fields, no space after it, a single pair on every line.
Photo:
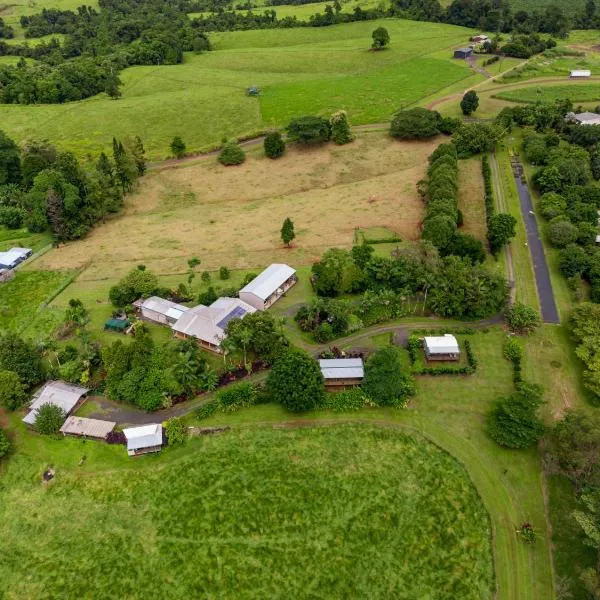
[249,514]
[300,70]
[576,93]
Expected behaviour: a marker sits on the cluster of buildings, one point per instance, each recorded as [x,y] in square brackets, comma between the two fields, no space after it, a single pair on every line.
[207,324]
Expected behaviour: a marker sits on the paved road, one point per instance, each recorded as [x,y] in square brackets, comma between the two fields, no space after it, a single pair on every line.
[538,258]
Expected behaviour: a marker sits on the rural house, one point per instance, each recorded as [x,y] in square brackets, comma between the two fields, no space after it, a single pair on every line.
[443,347]
[207,324]
[342,373]
[463,52]
[161,311]
[580,74]
[479,39]
[87,428]
[65,395]
[265,289]
[144,439]
[11,258]
[584,118]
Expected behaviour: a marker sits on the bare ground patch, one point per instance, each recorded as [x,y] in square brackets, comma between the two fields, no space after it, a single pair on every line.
[232,216]
[471,197]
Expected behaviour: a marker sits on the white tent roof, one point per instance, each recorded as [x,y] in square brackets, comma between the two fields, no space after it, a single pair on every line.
[342,368]
[581,73]
[89,427]
[265,284]
[143,437]
[164,307]
[443,344]
[65,395]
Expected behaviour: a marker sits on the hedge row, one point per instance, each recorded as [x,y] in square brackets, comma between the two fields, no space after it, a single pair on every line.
[453,330]
[487,186]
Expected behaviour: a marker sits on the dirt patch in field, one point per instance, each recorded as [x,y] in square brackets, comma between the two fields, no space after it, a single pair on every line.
[471,198]
[232,216]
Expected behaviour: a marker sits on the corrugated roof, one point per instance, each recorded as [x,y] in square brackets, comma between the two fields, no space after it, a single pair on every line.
[443,344]
[65,395]
[162,306]
[89,427]
[145,436]
[342,368]
[269,281]
[14,256]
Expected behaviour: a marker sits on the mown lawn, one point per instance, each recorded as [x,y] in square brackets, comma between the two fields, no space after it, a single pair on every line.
[575,92]
[350,511]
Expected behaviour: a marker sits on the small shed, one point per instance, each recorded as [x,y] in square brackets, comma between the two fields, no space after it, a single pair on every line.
[119,325]
[580,74]
[88,428]
[65,395]
[463,52]
[443,347]
[144,439]
[342,373]
[159,310]
[265,289]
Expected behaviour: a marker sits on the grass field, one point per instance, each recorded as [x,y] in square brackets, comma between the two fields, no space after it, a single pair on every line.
[550,93]
[232,216]
[306,70]
[470,198]
[350,510]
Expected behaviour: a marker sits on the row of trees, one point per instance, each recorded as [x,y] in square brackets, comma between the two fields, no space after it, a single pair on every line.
[42,188]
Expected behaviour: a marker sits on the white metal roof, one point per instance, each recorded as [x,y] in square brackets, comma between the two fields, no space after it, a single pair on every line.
[96,428]
[162,306]
[65,395]
[208,323]
[443,344]
[588,118]
[145,436]
[581,73]
[265,284]
[12,257]
[342,368]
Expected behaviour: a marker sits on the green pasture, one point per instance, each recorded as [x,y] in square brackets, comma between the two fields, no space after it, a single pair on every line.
[355,511]
[304,70]
[576,92]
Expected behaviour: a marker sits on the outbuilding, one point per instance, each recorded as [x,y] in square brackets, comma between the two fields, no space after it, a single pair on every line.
[580,74]
[65,395]
[11,258]
[463,52]
[207,324]
[480,38]
[265,289]
[583,118]
[443,347]
[144,439]
[87,428]
[342,373]
[161,311]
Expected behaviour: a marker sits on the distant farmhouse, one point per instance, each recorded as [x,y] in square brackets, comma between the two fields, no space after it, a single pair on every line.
[207,324]
[584,118]
[580,74]
[65,395]
[143,440]
[159,310]
[463,52]
[443,347]
[265,289]
[342,373]
[11,258]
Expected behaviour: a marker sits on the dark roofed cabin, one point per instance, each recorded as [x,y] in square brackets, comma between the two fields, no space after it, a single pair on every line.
[463,53]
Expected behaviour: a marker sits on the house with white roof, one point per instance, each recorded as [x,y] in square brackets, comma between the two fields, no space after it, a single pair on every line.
[443,347]
[207,324]
[342,373]
[584,118]
[11,258]
[265,289]
[161,311]
[144,439]
[65,395]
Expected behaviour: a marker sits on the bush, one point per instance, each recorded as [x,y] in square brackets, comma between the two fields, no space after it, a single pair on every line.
[224,273]
[231,154]
[471,358]
[340,128]
[11,217]
[469,103]
[512,349]
[309,130]
[521,318]
[274,145]
[175,431]
[381,38]
[207,410]
[385,382]
[562,233]
[178,147]
[352,399]
[4,444]
[415,123]
[552,205]
[237,396]
[296,381]
[49,419]
[12,394]
[414,347]
[207,297]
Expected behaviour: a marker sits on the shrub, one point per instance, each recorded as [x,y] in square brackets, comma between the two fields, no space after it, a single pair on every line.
[49,419]
[237,396]
[340,128]
[178,147]
[415,123]
[224,273]
[296,381]
[4,444]
[274,145]
[501,228]
[231,154]
[469,103]
[207,410]
[205,277]
[175,431]
[352,399]
[309,130]
[471,358]
[521,318]
[207,297]
[385,382]
[116,437]
[381,38]
[562,233]
[12,394]
[414,347]
[552,205]
[11,217]
[512,349]
[439,230]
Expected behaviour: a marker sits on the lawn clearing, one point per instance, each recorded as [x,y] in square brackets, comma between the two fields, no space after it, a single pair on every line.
[232,216]
[346,511]
[576,92]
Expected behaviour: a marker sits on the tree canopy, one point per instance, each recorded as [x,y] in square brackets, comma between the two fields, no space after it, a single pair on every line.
[387,381]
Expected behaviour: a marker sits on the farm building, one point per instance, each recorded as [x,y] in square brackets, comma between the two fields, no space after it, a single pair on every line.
[207,324]
[161,311]
[65,395]
[342,373]
[88,428]
[580,74]
[463,52]
[265,289]
[443,347]
[479,39]
[584,118]
[11,258]
[144,439]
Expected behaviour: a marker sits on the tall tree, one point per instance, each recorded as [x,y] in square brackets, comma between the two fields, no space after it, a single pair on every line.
[287,232]
[469,102]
